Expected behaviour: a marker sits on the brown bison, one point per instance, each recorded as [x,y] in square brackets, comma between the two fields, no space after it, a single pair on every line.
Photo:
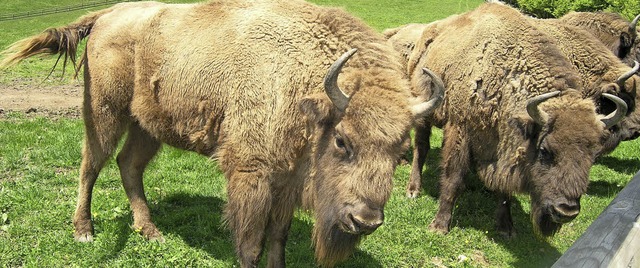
[514,111]
[613,30]
[601,72]
[255,85]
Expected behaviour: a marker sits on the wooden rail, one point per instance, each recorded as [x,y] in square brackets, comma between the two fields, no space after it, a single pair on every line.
[42,12]
[613,239]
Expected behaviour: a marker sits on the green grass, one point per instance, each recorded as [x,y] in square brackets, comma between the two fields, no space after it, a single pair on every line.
[40,158]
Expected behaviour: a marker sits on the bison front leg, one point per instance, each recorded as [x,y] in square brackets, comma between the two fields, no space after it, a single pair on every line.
[136,153]
[247,212]
[280,222]
[504,222]
[420,149]
[455,163]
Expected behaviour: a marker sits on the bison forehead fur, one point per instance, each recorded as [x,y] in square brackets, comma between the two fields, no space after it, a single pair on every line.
[242,81]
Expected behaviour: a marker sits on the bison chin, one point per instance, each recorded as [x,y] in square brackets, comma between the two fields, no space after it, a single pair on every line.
[332,243]
[544,221]
[544,225]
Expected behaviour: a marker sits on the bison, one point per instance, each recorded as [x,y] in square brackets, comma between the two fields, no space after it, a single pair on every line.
[513,110]
[601,72]
[613,30]
[255,85]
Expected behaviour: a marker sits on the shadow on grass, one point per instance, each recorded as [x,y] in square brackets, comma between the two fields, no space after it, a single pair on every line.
[197,220]
[627,166]
[603,188]
[528,249]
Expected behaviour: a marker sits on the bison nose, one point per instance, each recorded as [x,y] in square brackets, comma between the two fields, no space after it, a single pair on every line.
[564,212]
[366,220]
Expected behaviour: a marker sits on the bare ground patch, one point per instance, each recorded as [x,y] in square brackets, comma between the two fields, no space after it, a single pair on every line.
[41,99]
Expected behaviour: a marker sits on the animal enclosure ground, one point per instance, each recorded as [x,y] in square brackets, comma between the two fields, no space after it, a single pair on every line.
[40,158]
[41,99]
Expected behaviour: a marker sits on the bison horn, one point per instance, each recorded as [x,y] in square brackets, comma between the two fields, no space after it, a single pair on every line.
[627,75]
[337,96]
[536,114]
[617,115]
[426,107]
[632,26]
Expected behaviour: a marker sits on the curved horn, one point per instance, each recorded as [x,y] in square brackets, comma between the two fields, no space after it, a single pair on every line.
[536,114]
[437,95]
[617,115]
[632,26]
[620,81]
[337,96]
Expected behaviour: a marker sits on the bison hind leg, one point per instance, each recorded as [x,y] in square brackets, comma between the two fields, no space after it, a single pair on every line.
[102,133]
[137,152]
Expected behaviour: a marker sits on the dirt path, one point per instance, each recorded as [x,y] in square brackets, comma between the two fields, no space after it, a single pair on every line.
[44,100]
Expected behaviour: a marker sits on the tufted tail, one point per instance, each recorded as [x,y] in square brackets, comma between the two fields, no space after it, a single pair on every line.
[62,41]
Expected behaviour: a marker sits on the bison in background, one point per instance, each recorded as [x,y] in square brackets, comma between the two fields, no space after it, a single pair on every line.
[513,110]
[601,72]
[244,82]
[613,30]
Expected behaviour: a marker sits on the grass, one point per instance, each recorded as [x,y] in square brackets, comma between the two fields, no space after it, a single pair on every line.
[40,158]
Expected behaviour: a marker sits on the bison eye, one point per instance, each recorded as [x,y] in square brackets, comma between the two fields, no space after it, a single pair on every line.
[343,147]
[545,155]
[340,143]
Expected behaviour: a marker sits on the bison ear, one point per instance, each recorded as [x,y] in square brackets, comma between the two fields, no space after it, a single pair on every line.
[524,124]
[317,108]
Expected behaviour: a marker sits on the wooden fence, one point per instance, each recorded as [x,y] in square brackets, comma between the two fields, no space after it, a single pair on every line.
[42,12]
[613,239]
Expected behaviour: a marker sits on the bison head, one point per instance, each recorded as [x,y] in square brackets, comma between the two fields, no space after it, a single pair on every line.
[356,142]
[563,137]
[625,87]
[626,47]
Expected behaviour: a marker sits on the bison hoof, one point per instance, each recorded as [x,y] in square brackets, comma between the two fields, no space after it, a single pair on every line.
[159,239]
[506,230]
[507,234]
[150,232]
[83,238]
[413,189]
[412,193]
[438,228]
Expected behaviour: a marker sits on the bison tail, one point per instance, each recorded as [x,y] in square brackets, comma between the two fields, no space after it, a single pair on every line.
[62,41]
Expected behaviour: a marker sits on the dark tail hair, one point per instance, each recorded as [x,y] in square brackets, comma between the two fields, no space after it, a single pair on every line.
[62,41]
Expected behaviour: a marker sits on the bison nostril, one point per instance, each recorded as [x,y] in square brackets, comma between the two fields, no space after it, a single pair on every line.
[367,226]
[567,212]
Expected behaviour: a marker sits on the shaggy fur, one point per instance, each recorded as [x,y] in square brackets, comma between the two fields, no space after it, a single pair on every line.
[611,29]
[492,60]
[599,69]
[241,81]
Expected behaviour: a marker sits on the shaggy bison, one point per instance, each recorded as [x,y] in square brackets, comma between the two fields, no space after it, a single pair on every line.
[513,110]
[601,72]
[255,85]
[614,31]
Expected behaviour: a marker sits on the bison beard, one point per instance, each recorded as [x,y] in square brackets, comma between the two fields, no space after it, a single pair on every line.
[543,223]
[331,242]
